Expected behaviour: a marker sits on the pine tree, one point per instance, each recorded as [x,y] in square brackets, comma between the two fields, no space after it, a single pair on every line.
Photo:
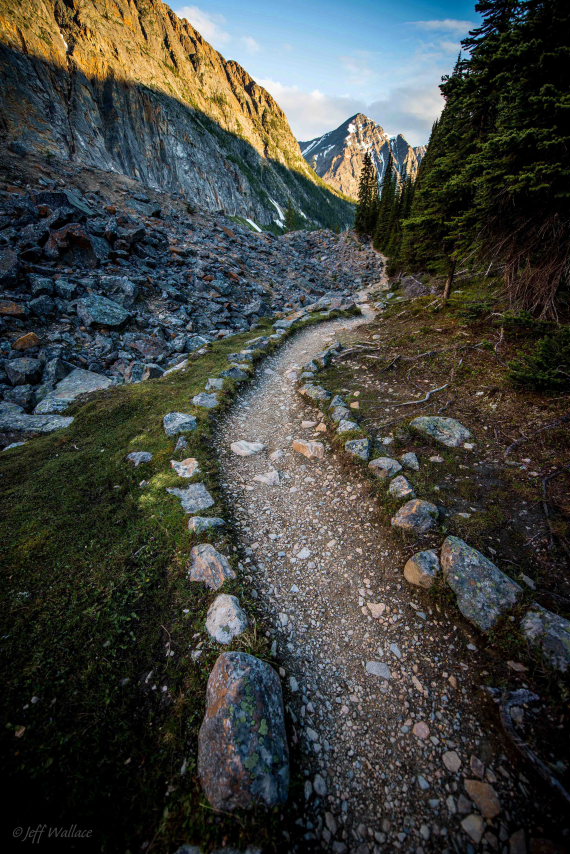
[292,218]
[386,206]
[367,208]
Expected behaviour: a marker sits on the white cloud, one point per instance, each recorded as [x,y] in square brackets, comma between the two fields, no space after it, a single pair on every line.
[447,25]
[210,26]
[358,67]
[250,44]
[313,113]
[409,110]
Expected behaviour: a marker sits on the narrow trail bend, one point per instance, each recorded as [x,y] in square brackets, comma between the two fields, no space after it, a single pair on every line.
[373,751]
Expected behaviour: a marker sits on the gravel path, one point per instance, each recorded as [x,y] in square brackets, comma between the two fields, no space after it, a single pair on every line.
[385,718]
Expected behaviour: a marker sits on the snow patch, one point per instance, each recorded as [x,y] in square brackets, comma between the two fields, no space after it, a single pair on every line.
[280,213]
[253,224]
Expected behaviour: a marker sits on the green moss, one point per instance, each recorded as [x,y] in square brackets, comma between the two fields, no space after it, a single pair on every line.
[98,619]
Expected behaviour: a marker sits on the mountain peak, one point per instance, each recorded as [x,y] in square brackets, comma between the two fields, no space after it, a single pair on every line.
[338,155]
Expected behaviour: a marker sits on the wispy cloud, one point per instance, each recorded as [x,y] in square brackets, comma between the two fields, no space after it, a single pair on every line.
[446,25]
[358,67]
[210,26]
[250,44]
[312,113]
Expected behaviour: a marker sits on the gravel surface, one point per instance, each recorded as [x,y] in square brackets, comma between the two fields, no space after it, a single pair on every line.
[386,717]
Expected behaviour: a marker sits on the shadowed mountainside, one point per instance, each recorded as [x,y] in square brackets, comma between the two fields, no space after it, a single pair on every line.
[128,87]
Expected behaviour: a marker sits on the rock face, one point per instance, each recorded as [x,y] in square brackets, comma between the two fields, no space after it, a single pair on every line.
[243,758]
[549,632]
[226,619]
[483,592]
[139,91]
[446,431]
[338,156]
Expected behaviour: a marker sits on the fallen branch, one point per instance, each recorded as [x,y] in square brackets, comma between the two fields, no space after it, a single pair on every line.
[550,426]
[546,507]
[423,399]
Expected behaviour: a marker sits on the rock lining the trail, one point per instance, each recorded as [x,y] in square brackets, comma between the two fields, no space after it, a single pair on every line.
[226,619]
[193,498]
[209,566]
[243,756]
[483,592]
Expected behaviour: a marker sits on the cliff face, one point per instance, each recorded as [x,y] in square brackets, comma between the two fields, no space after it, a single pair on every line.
[127,86]
[338,155]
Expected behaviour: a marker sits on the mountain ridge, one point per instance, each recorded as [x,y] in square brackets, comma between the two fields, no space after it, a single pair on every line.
[130,87]
[337,156]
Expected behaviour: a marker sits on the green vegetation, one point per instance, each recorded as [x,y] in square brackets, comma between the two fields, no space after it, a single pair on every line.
[494,187]
[367,210]
[103,697]
[548,366]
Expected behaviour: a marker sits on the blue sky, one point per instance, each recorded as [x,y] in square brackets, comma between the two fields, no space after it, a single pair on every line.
[325,61]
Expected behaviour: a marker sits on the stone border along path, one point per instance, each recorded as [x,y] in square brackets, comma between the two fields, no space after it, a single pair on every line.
[384,717]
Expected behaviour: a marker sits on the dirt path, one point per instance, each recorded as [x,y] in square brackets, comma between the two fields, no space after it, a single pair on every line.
[383,755]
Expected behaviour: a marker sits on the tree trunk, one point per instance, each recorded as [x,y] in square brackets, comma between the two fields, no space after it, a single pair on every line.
[449,281]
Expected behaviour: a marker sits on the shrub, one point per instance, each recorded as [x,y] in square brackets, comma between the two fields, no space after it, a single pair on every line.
[548,366]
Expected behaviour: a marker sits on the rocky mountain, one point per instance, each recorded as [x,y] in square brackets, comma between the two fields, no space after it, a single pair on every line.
[337,156]
[128,87]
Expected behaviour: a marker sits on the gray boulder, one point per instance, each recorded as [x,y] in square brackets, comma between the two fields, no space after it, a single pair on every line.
[75,383]
[346,426]
[23,371]
[550,633]
[483,592]
[446,431]
[315,392]
[243,759]
[417,516]
[358,448]
[13,420]
[95,310]
[201,524]
[400,487]
[138,457]
[208,401]
[235,373]
[193,498]
[410,461]
[385,467]
[179,422]
[226,619]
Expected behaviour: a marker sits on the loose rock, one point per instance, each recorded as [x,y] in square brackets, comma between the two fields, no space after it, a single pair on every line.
[417,515]
[385,467]
[209,566]
[194,498]
[446,431]
[242,746]
[247,449]
[551,633]
[483,592]
[226,619]
[422,569]
[179,422]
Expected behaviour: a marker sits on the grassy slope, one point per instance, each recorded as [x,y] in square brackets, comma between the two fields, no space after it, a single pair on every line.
[95,596]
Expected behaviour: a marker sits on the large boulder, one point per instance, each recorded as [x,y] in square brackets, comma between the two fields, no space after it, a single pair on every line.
[483,592]
[23,371]
[446,431]
[243,759]
[75,383]
[76,246]
[549,632]
[13,420]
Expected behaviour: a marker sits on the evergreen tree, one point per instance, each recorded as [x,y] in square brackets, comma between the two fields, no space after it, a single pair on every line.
[495,182]
[292,218]
[367,208]
[386,206]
